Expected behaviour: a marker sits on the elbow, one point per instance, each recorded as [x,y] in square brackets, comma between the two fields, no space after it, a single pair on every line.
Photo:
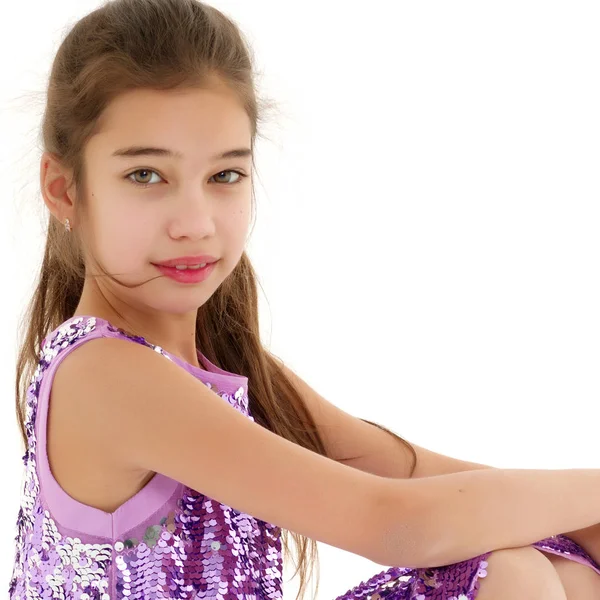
[401,547]
[402,540]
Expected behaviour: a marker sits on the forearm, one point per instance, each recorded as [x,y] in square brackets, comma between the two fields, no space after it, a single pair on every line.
[588,537]
[461,515]
[430,464]
[434,464]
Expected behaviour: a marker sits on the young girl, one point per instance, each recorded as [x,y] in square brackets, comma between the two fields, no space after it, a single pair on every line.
[166,472]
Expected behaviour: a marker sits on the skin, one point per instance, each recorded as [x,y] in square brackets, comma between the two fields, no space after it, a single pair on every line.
[185,210]
[190,207]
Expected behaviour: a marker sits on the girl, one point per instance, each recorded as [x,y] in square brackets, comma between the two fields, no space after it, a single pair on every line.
[159,473]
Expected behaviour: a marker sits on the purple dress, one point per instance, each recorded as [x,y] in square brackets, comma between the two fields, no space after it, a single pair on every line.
[168,540]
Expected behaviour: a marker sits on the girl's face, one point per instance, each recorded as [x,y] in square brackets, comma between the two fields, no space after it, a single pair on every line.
[150,208]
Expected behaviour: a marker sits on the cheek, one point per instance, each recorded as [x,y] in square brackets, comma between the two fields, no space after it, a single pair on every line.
[239,216]
[124,240]
[233,227]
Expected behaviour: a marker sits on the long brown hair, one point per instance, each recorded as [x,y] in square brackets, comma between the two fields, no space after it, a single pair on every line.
[159,44]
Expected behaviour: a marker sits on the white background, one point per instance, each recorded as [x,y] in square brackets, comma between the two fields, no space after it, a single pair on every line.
[427,227]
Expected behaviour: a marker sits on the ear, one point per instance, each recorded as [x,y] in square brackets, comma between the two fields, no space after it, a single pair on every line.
[54,185]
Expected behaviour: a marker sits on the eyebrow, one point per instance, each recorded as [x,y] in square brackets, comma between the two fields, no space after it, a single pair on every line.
[151,151]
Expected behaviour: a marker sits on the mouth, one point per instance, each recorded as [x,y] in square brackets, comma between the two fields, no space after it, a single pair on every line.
[194,260]
[187,274]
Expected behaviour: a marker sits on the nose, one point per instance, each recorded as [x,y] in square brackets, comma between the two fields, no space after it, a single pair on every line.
[193,216]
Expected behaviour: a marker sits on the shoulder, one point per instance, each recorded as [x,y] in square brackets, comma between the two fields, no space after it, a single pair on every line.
[103,359]
[106,362]
[108,382]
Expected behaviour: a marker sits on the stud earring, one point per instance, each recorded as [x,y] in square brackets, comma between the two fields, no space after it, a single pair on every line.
[67,225]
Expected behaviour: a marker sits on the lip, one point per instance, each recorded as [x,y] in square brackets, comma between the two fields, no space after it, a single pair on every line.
[187,275]
[187,260]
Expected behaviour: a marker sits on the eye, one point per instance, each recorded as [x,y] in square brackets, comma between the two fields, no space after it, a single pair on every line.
[240,178]
[143,184]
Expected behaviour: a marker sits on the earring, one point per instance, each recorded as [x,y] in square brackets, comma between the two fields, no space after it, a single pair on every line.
[67,225]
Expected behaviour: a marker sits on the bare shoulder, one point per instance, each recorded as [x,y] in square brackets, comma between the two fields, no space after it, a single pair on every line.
[168,421]
[83,448]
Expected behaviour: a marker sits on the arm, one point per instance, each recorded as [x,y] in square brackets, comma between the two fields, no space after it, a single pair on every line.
[430,464]
[169,422]
[462,515]
[396,459]
[358,444]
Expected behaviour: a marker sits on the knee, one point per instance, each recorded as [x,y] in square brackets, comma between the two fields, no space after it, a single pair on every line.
[520,573]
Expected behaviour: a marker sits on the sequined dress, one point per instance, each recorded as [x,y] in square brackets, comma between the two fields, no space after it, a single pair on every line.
[170,541]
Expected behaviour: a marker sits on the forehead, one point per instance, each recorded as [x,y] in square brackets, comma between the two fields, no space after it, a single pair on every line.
[196,122]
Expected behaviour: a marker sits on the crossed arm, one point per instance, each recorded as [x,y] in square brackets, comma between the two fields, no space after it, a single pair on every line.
[358,444]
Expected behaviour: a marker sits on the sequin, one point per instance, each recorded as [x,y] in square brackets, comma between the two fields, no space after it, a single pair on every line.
[193,547]
[196,548]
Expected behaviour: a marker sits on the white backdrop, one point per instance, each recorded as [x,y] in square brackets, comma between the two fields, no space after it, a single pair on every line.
[427,227]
